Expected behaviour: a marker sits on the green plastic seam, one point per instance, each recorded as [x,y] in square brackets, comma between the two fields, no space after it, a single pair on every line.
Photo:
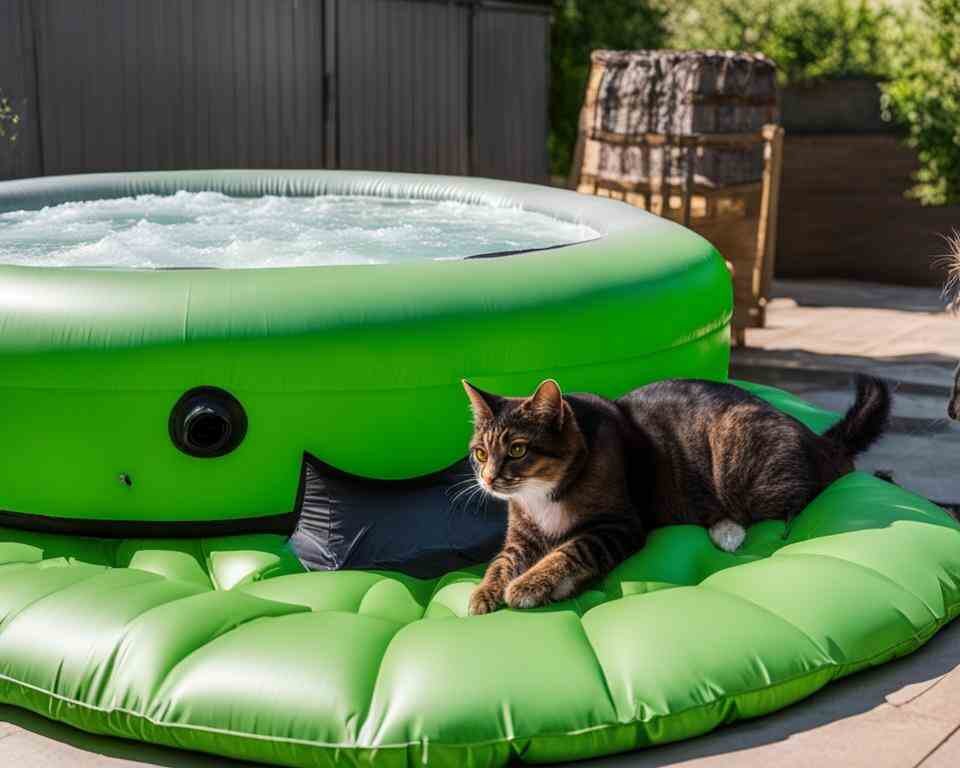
[10,617]
[766,611]
[868,570]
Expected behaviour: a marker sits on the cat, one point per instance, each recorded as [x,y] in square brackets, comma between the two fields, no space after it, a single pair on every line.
[586,478]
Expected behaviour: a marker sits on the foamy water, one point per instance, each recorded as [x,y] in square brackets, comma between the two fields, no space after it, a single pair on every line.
[208,229]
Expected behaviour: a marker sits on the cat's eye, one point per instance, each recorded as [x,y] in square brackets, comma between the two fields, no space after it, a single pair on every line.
[518,450]
[480,455]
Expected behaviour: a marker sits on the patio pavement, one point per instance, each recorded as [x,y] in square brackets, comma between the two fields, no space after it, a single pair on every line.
[817,334]
[902,715]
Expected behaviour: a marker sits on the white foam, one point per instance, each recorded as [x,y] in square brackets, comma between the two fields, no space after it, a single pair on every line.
[208,229]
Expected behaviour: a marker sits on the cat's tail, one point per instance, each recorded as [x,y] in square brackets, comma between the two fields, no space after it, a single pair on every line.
[867,418]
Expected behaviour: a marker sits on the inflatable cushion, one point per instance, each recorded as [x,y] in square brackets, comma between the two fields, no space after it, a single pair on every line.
[226,646]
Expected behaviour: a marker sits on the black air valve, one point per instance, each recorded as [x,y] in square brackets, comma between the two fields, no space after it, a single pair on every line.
[207,422]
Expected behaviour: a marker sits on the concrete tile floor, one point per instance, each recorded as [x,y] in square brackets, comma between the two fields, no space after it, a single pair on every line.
[818,333]
[902,715]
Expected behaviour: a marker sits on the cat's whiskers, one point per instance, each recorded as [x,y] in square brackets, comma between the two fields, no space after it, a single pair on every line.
[483,504]
[460,494]
[469,482]
[473,492]
[477,494]
[468,492]
[477,503]
[466,480]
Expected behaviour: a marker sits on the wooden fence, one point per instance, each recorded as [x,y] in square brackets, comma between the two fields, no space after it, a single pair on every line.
[442,86]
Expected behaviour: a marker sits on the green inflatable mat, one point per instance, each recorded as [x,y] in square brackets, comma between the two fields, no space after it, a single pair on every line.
[127,609]
[225,646]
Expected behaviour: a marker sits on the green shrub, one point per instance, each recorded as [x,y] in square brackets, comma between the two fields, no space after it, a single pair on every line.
[579,27]
[809,39]
[924,95]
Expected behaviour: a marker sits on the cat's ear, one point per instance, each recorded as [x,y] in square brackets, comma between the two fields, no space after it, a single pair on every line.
[484,404]
[548,400]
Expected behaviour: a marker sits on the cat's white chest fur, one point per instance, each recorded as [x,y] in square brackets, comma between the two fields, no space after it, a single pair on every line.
[549,516]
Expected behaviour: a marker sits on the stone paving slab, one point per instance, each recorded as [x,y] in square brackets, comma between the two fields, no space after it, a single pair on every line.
[941,701]
[947,756]
[861,319]
[819,333]
[31,741]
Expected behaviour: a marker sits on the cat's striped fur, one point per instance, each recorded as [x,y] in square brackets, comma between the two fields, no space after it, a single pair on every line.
[586,478]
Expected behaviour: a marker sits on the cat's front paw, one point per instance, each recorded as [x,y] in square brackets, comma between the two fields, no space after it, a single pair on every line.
[485,599]
[528,591]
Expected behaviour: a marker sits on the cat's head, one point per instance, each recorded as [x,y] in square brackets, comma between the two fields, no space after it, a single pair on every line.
[523,445]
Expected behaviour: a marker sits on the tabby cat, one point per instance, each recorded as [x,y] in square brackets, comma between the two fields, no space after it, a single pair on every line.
[585,477]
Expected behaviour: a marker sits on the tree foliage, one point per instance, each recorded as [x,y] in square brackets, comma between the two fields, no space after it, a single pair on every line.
[809,39]
[924,95]
[579,27]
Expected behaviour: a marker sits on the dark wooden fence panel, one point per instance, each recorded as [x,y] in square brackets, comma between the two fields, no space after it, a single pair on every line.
[18,84]
[402,96]
[511,82]
[135,84]
[411,85]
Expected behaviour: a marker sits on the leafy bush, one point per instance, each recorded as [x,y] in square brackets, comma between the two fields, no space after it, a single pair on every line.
[9,120]
[809,39]
[924,95]
[579,27]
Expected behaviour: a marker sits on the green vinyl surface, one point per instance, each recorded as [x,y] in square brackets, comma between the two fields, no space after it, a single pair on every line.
[226,646]
[358,364]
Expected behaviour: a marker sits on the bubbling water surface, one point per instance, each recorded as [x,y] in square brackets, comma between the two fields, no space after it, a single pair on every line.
[209,229]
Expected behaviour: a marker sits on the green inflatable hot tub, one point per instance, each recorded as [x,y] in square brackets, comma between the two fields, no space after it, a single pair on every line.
[155,424]
[358,364]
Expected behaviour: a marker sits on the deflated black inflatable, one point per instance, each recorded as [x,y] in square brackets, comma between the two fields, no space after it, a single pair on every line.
[425,526]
